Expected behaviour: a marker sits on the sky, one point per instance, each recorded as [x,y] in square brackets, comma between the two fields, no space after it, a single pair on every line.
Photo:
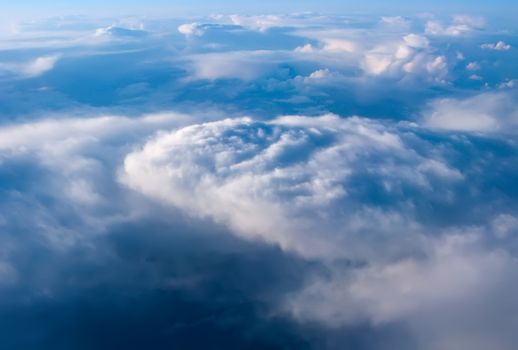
[203,7]
[310,175]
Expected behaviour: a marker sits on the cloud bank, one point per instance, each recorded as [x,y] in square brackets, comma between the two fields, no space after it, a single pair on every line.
[298,181]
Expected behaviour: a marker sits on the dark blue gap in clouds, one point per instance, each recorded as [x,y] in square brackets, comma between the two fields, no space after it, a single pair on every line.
[100,80]
[149,285]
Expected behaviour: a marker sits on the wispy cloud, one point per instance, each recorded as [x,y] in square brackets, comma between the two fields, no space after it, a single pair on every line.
[31,69]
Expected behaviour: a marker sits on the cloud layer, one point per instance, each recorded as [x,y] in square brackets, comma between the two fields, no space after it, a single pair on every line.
[296,181]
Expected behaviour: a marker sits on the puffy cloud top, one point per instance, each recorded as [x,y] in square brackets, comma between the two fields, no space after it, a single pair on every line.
[290,181]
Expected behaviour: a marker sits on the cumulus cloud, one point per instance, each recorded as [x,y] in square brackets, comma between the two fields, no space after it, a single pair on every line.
[320,74]
[352,195]
[416,41]
[485,113]
[191,29]
[116,31]
[311,230]
[306,184]
[406,57]
[265,179]
[410,56]
[460,25]
[499,46]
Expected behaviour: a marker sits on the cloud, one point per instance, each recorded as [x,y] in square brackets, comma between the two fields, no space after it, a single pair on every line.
[416,41]
[405,57]
[450,290]
[75,159]
[266,22]
[473,66]
[191,29]
[34,68]
[50,133]
[499,46]
[115,31]
[320,74]
[505,225]
[452,269]
[410,56]
[39,66]
[229,65]
[395,21]
[511,83]
[339,45]
[360,200]
[316,230]
[264,179]
[354,195]
[476,77]
[261,22]
[460,25]
[484,113]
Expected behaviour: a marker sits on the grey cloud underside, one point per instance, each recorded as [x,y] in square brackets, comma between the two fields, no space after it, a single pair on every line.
[263,214]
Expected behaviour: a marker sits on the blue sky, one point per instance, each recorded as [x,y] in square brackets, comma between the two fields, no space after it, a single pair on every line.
[499,7]
[194,175]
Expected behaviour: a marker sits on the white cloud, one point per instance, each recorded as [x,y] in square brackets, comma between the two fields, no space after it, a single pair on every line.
[339,45]
[366,200]
[499,46]
[509,84]
[456,295]
[244,65]
[409,57]
[32,68]
[416,41]
[191,29]
[473,66]
[307,48]
[263,23]
[80,156]
[377,62]
[311,185]
[484,113]
[280,181]
[460,25]
[116,31]
[320,74]
[39,66]
[57,133]
[395,21]
[451,270]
